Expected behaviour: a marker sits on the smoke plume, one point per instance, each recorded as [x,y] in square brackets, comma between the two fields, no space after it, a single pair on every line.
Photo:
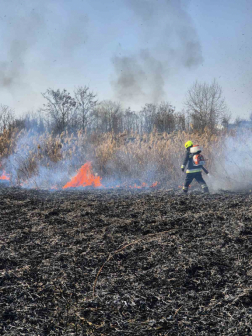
[36,34]
[21,32]
[168,43]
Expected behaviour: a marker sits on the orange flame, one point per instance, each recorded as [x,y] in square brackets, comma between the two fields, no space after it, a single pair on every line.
[135,186]
[154,185]
[4,176]
[84,178]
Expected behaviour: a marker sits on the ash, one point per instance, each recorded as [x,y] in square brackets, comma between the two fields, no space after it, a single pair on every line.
[125,262]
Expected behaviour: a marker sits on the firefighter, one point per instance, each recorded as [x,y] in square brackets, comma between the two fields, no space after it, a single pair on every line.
[195,163]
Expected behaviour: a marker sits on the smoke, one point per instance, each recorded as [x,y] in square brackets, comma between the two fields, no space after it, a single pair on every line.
[43,161]
[36,34]
[27,166]
[172,44]
[136,73]
[21,36]
[232,169]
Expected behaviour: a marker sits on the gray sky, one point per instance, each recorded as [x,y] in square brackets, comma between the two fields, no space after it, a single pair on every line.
[133,51]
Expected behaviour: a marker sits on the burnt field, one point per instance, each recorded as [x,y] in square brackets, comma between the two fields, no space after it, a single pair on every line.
[125,262]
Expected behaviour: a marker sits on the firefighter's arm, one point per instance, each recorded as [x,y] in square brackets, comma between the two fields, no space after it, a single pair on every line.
[185,161]
[205,170]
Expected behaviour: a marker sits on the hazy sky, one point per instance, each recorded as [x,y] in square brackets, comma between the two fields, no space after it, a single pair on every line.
[133,51]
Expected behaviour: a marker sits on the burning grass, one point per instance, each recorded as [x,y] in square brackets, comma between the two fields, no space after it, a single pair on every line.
[117,262]
[44,161]
[84,178]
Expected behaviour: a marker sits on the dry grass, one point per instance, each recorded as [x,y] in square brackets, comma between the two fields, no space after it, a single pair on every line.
[7,143]
[152,156]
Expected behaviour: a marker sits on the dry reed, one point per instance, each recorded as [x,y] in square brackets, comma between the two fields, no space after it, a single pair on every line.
[145,157]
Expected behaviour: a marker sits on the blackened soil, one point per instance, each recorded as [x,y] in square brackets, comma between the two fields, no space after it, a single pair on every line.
[125,263]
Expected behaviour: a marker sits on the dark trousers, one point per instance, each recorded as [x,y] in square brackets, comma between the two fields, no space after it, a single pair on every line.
[198,177]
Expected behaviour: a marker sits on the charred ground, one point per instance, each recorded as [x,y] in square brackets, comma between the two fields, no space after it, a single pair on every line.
[99,262]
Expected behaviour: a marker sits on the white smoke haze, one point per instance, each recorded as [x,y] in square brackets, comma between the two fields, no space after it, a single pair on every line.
[124,169]
[44,162]
[169,42]
[233,163]
[24,169]
[33,163]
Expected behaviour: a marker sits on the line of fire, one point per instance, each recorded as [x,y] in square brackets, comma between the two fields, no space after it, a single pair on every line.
[85,177]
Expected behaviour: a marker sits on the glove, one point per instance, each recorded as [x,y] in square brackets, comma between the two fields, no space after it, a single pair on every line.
[206,171]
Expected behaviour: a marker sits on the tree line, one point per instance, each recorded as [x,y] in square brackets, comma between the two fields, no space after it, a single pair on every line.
[204,107]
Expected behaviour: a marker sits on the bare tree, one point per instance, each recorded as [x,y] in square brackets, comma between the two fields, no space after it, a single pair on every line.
[60,109]
[161,117]
[148,115]
[165,119]
[34,121]
[225,120]
[130,121]
[85,105]
[108,117]
[205,105]
[6,117]
[180,118]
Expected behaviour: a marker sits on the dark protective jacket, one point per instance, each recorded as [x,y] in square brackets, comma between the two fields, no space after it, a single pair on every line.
[191,168]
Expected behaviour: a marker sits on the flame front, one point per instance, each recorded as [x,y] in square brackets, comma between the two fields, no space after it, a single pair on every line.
[84,178]
[4,176]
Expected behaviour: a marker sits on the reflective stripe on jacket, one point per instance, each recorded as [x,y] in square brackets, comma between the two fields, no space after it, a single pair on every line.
[196,170]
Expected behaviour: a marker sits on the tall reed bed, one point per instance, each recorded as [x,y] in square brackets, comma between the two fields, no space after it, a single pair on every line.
[147,157]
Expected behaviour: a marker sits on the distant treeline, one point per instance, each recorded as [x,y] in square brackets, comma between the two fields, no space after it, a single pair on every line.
[63,111]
